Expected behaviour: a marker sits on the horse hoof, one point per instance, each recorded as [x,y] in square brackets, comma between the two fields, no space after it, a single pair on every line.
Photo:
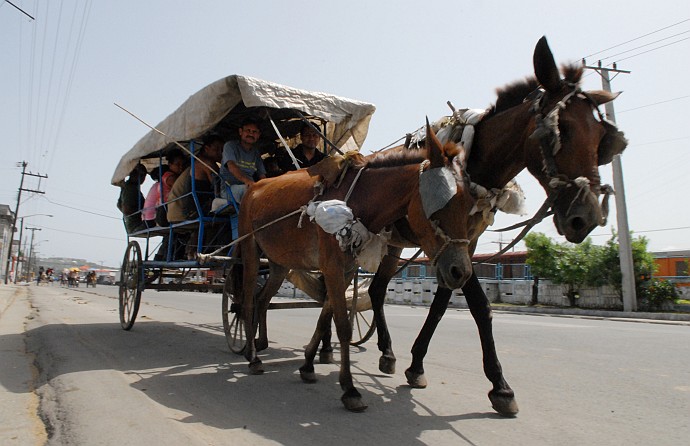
[256,368]
[415,380]
[352,401]
[308,376]
[261,344]
[387,365]
[326,358]
[504,403]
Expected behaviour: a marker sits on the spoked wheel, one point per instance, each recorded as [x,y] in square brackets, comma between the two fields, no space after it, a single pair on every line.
[361,314]
[233,324]
[363,326]
[131,284]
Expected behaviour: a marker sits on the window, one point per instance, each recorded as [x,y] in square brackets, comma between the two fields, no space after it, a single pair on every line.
[682,268]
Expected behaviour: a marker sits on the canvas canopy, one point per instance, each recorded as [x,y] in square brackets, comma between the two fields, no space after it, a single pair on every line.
[221,106]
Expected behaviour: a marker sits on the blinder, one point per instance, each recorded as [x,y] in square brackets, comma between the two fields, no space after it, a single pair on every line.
[436,187]
[613,143]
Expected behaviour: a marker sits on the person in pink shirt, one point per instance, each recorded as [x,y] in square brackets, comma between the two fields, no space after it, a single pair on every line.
[177,162]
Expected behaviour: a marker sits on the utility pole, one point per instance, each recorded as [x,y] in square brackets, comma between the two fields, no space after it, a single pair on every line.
[498,270]
[624,242]
[19,250]
[31,250]
[16,212]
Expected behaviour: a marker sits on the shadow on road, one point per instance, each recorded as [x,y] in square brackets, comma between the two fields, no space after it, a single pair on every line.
[188,368]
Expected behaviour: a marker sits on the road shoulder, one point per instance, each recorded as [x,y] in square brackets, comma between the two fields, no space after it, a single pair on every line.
[19,418]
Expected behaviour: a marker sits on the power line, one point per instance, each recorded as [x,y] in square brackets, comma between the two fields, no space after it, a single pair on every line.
[637,38]
[653,49]
[81,210]
[80,233]
[661,141]
[655,103]
[645,45]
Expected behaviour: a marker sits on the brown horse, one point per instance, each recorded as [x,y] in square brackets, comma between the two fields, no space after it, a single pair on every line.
[386,189]
[547,125]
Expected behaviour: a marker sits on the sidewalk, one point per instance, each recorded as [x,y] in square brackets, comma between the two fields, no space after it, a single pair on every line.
[677,318]
[19,421]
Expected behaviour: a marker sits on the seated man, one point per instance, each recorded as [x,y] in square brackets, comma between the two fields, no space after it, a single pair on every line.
[181,204]
[184,208]
[132,200]
[306,153]
[241,162]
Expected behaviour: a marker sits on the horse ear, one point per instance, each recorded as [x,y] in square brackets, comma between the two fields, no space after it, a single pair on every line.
[602,97]
[545,67]
[434,151]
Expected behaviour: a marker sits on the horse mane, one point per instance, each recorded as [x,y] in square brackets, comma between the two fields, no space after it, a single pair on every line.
[396,158]
[514,94]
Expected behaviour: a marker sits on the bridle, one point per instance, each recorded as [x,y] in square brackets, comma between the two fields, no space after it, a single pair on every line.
[549,138]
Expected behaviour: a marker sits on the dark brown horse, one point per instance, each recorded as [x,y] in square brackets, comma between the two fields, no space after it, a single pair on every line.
[388,188]
[546,124]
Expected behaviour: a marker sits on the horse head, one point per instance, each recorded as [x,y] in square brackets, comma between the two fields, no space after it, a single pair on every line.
[568,144]
[441,216]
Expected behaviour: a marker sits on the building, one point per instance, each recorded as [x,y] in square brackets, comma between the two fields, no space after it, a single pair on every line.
[673,265]
[7,240]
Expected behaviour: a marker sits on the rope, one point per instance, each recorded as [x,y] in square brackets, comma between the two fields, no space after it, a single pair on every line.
[302,209]
[352,186]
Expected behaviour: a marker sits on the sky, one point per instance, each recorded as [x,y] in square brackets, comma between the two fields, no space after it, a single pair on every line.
[62,72]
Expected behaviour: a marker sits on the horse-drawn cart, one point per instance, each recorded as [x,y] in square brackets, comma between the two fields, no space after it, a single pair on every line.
[219,109]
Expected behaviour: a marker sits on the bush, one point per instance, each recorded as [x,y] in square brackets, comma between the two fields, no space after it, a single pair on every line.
[657,294]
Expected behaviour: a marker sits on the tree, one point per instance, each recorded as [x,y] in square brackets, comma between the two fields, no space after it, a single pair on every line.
[590,265]
[643,264]
[566,264]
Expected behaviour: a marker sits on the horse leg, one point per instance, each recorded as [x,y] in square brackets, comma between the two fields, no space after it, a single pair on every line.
[351,398]
[250,261]
[377,294]
[323,324]
[501,396]
[415,373]
[326,352]
[276,276]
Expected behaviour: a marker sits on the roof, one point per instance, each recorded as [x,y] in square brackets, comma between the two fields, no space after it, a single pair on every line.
[221,106]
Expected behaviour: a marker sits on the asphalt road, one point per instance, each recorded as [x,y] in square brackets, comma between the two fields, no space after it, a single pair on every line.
[172,380]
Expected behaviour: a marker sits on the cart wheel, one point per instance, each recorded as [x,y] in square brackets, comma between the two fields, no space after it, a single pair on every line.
[233,324]
[131,283]
[363,326]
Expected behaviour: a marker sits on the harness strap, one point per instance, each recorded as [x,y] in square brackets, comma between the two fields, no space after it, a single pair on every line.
[538,217]
[447,242]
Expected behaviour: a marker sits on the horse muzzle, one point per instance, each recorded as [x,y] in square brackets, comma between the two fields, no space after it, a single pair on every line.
[454,267]
[576,216]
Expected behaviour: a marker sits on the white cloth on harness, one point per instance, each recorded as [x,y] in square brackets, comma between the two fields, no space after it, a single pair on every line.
[510,200]
[460,128]
[466,119]
[336,217]
[436,186]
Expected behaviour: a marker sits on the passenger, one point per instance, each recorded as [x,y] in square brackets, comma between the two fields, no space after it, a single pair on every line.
[306,153]
[185,208]
[181,206]
[241,163]
[177,162]
[153,198]
[131,199]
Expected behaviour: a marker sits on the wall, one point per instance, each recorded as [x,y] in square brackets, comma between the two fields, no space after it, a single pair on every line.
[420,292]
